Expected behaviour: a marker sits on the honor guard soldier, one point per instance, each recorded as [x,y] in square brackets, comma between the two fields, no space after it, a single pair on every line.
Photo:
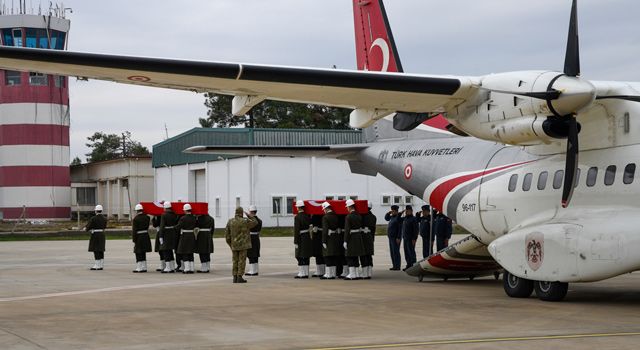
[353,245]
[394,233]
[302,240]
[368,237]
[238,238]
[167,237]
[410,232]
[425,231]
[155,222]
[316,242]
[341,266]
[206,225]
[187,242]
[331,241]
[96,226]
[253,254]
[141,240]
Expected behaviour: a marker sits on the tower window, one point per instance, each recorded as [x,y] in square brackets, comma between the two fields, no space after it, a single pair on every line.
[12,78]
[37,79]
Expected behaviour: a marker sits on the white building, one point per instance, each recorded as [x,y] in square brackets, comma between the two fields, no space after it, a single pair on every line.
[271,183]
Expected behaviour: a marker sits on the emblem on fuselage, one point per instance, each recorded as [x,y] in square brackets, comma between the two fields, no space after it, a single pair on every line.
[408,171]
[382,157]
[534,248]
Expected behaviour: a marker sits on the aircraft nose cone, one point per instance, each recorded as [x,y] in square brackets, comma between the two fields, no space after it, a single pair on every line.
[576,94]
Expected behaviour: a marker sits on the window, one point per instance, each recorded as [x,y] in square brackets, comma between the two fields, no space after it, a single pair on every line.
[629,173]
[342,198]
[237,202]
[542,180]
[59,81]
[32,37]
[12,78]
[592,176]
[7,37]
[557,179]
[408,200]
[217,209]
[328,198]
[290,202]
[513,182]
[386,200]
[17,37]
[276,205]
[610,175]
[354,198]
[37,79]
[397,200]
[86,195]
[526,183]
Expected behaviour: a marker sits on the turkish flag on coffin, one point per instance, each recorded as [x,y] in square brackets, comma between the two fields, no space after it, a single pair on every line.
[157,208]
[314,207]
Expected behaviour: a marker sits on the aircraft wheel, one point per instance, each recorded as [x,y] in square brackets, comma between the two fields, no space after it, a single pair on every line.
[517,287]
[551,291]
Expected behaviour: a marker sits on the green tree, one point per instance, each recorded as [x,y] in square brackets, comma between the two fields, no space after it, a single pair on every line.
[76,161]
[113,146]
[274,114]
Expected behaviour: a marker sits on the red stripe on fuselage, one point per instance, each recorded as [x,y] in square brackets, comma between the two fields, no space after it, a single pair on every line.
[454,265]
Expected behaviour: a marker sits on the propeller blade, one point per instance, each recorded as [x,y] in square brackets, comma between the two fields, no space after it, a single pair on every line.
[572,58]
[620,97]
[571,164]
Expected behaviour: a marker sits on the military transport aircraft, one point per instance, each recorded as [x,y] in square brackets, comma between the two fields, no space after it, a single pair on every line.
[534,208]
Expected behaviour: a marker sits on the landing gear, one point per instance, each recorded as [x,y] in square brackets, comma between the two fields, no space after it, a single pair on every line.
[496,275]
[551,291]
[517,287]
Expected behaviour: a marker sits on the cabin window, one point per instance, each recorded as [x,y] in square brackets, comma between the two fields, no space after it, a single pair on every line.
[629,173]
[513,182]
[592,176]
[557,179]
[526,183]
[610,175]
[542,180]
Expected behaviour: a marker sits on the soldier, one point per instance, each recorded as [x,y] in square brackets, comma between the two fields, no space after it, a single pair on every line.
[187,242]
[254,253]
[341,266]
[96,225]
[331,241]
[368,236]
[302,240]
[167,237]
[425,230]
[206,225]
[141,240]
[238,238]
[394,233]
[410,232]
[353,244]
[155,222]
[316,242]
[443,228]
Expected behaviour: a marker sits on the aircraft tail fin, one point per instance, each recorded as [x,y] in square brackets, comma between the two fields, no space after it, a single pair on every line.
[375,47]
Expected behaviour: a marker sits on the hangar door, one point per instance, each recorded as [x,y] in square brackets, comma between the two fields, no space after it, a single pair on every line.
[200,185]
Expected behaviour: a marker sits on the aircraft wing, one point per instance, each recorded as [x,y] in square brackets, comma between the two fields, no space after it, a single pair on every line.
[331,87]
[466,258]
[343,152]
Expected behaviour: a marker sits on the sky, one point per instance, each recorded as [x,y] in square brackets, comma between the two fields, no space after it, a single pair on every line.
[459,37]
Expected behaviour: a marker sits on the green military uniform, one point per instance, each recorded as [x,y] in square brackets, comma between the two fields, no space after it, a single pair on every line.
[187,242]
[238,238]
[331,242]
[206,225]
[354,243]
[96,226]
[368,237]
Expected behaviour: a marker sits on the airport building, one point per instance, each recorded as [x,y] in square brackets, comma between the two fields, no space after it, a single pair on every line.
[271,183]
[34,121]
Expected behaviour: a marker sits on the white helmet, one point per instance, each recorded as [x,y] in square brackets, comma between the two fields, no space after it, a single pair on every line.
[98,207]
[326,205]
[350,203]
[138,207]
[369,204]
[167,205]
[253,208]
[300,203]
[186,207]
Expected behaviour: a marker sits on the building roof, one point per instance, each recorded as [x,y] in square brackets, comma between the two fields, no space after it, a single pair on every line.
[170,151]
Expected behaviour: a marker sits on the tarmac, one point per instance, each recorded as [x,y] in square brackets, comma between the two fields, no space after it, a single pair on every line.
[50,300]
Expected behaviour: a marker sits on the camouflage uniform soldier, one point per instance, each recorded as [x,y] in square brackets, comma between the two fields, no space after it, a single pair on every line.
[331,241]
[254,253]
[239,240]
[302,240]
[141,240]
[167,237]
[187,242]
[368,237]
[353,245]
[206,224]
[96,225]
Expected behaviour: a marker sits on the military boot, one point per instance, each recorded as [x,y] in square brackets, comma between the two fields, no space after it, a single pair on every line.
[241,280]
[138,268]
[143,266]
[235,279]
[162,266]
[352,274]
[95,265]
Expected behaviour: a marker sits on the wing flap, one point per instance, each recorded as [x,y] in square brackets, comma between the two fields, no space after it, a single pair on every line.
[343,152]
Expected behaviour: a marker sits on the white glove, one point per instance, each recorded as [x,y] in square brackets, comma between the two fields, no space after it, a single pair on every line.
[295,245]
[324,245]
[344,245]
[161,241]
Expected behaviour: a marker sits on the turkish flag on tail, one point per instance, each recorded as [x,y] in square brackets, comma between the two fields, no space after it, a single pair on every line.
[375,48]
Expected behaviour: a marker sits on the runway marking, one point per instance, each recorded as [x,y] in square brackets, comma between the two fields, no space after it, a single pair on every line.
[132,287]
[486,340]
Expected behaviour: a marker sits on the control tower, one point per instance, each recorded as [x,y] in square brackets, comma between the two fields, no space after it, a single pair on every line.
[34,120]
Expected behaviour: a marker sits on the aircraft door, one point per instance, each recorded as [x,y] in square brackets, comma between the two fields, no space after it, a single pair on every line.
[493,215]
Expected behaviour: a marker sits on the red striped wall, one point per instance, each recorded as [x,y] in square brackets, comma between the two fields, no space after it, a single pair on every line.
[34,134]
[25,176]
[37,212]
[26,93]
